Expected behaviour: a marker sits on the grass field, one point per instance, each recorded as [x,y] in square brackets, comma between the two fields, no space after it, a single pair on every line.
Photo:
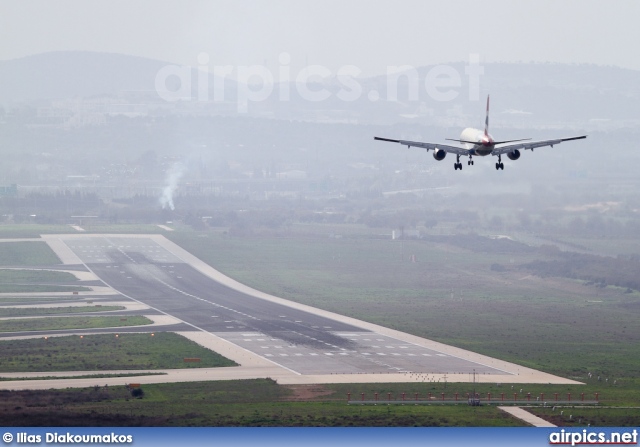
[225,403]
[10,231]
[25,280]
[37,311]
[40,288]
[125,229]
[27,253]
[9,276]
[608,246]
[18,300]
[60,323]
[264,403]
[446,290]
[35,230]
[449,294]
[86,376]
[452,295]
[105,352]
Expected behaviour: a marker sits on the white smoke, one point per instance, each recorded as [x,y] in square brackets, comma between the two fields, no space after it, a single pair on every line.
[174,174]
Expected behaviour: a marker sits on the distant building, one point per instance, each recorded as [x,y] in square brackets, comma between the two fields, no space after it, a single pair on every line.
[292,175]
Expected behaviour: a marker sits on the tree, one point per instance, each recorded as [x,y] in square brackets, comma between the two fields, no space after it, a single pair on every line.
[137,393]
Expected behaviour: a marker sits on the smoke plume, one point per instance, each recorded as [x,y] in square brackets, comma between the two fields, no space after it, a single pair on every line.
[174,174]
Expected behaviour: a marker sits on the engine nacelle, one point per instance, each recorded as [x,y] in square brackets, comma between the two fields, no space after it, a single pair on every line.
[439,154]
[514,155]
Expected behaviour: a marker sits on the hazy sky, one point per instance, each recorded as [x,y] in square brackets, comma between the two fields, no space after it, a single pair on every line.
[368,34]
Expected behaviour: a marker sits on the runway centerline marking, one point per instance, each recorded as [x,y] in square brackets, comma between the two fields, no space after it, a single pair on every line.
[304,331]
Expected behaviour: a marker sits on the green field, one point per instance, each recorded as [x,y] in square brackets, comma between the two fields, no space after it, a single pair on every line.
[10,231]
[26,253]
[61,323]
[25,280]
[8,276]
[19,300]
[609,246]
[449,294]
[85,376]
[125,229]
[264,403]
[40,288]
[226,403]
[37,311]
[35,230]
[452,294]
[105,352]
[466,291]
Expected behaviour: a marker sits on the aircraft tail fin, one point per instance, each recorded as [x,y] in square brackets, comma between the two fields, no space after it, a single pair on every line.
[486,120]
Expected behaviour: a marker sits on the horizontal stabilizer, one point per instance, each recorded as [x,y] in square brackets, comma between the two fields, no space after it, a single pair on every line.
[511,141]
[462,141]
[493,142]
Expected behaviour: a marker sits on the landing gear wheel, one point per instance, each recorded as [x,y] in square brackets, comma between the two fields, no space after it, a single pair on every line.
[502,166]
[457,166]
[497,166]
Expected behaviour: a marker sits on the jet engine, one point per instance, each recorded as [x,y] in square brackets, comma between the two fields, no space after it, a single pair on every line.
[439,154]
[514,155]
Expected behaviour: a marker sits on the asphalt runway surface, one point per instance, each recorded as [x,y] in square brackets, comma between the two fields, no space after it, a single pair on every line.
[300,341]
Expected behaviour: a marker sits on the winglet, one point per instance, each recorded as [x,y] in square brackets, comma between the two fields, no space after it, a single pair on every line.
[486,120]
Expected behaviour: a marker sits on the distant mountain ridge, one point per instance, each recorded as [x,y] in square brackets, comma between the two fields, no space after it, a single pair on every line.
[523,95]
[69,74]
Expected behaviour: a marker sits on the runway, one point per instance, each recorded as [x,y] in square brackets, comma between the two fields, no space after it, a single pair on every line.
[301,341]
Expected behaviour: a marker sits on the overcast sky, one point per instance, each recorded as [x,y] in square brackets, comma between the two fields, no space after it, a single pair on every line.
[368,34]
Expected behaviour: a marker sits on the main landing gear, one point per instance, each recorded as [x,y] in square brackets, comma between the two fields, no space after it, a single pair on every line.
[470,162]
[499,165]
[457,165]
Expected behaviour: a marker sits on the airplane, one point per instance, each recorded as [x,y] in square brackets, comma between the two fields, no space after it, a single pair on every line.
[479,143]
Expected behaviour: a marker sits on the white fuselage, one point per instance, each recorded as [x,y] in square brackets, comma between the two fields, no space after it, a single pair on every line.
[483,144]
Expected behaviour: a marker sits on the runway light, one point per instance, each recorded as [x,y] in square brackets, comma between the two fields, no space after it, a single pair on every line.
[153,335]
[116,335]
[82,336]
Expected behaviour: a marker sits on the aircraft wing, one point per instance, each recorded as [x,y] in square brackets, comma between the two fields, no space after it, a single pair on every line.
[429,146]
[531,145]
